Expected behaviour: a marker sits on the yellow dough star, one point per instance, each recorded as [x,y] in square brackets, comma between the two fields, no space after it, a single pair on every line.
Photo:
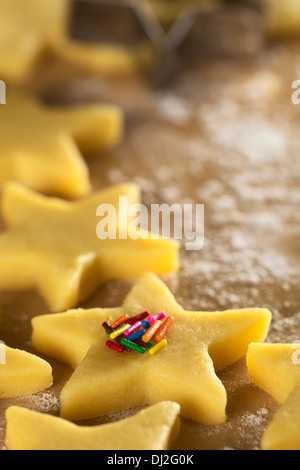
[154,428]
[284,431]
[52,245]
[27,30]
[39,144]
[276,369]
[105,58]
[22,373]
[198,344]
[281,19]
[31,29]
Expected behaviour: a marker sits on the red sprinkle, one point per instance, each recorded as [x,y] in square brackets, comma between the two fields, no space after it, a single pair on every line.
[137,318]
[114,346]
[110,330]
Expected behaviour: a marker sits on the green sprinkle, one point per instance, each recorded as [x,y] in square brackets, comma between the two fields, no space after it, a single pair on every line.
[131,345]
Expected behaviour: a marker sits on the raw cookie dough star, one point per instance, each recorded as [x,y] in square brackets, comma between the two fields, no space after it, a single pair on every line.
[52,245]
[154,428]
[184,372]
[39,144]
[27,29]
[22,373]
[31,29]
[282,19]
[276,369]
[104,58]
[284,431]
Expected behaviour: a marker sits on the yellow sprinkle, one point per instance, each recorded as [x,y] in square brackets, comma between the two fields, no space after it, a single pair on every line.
[158,347]
[119,331]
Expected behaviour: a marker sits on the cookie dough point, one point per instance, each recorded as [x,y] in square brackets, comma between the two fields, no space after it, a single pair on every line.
[23,374]
[27,31]
[40,146]
[282,18]
[51,245]
[276,369]
[284,431]
[154,428]
[272,367]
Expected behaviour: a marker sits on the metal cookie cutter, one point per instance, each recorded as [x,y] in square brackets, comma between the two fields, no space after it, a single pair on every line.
[177,29]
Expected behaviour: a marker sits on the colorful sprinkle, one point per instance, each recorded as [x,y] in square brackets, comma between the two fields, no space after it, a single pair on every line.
[136,335]
[114,346]
[108,321]
[163,329]
[158,316]
[162,344]
[120,320]
[133,346]
[119,331]
[109,330]
[145,324]
[151,331]
[132,329]
[136,318]
[148,345]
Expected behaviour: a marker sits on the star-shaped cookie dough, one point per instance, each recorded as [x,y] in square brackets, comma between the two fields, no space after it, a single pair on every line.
[22,373]
[284,431]
[39,145]
[104,58]
[198,344]
[27,30]
[282,19]
[32,29]
[52,245]
[154,428]
[276,369]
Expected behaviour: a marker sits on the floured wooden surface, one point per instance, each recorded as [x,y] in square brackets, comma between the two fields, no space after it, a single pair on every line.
[226,134]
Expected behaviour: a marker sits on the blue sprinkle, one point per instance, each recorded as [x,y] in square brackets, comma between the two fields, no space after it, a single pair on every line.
[136,335]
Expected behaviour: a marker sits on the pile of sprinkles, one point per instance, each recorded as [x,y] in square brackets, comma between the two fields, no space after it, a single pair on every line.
[138,333]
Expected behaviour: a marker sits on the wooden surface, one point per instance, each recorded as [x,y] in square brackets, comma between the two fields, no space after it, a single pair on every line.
[224,133]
